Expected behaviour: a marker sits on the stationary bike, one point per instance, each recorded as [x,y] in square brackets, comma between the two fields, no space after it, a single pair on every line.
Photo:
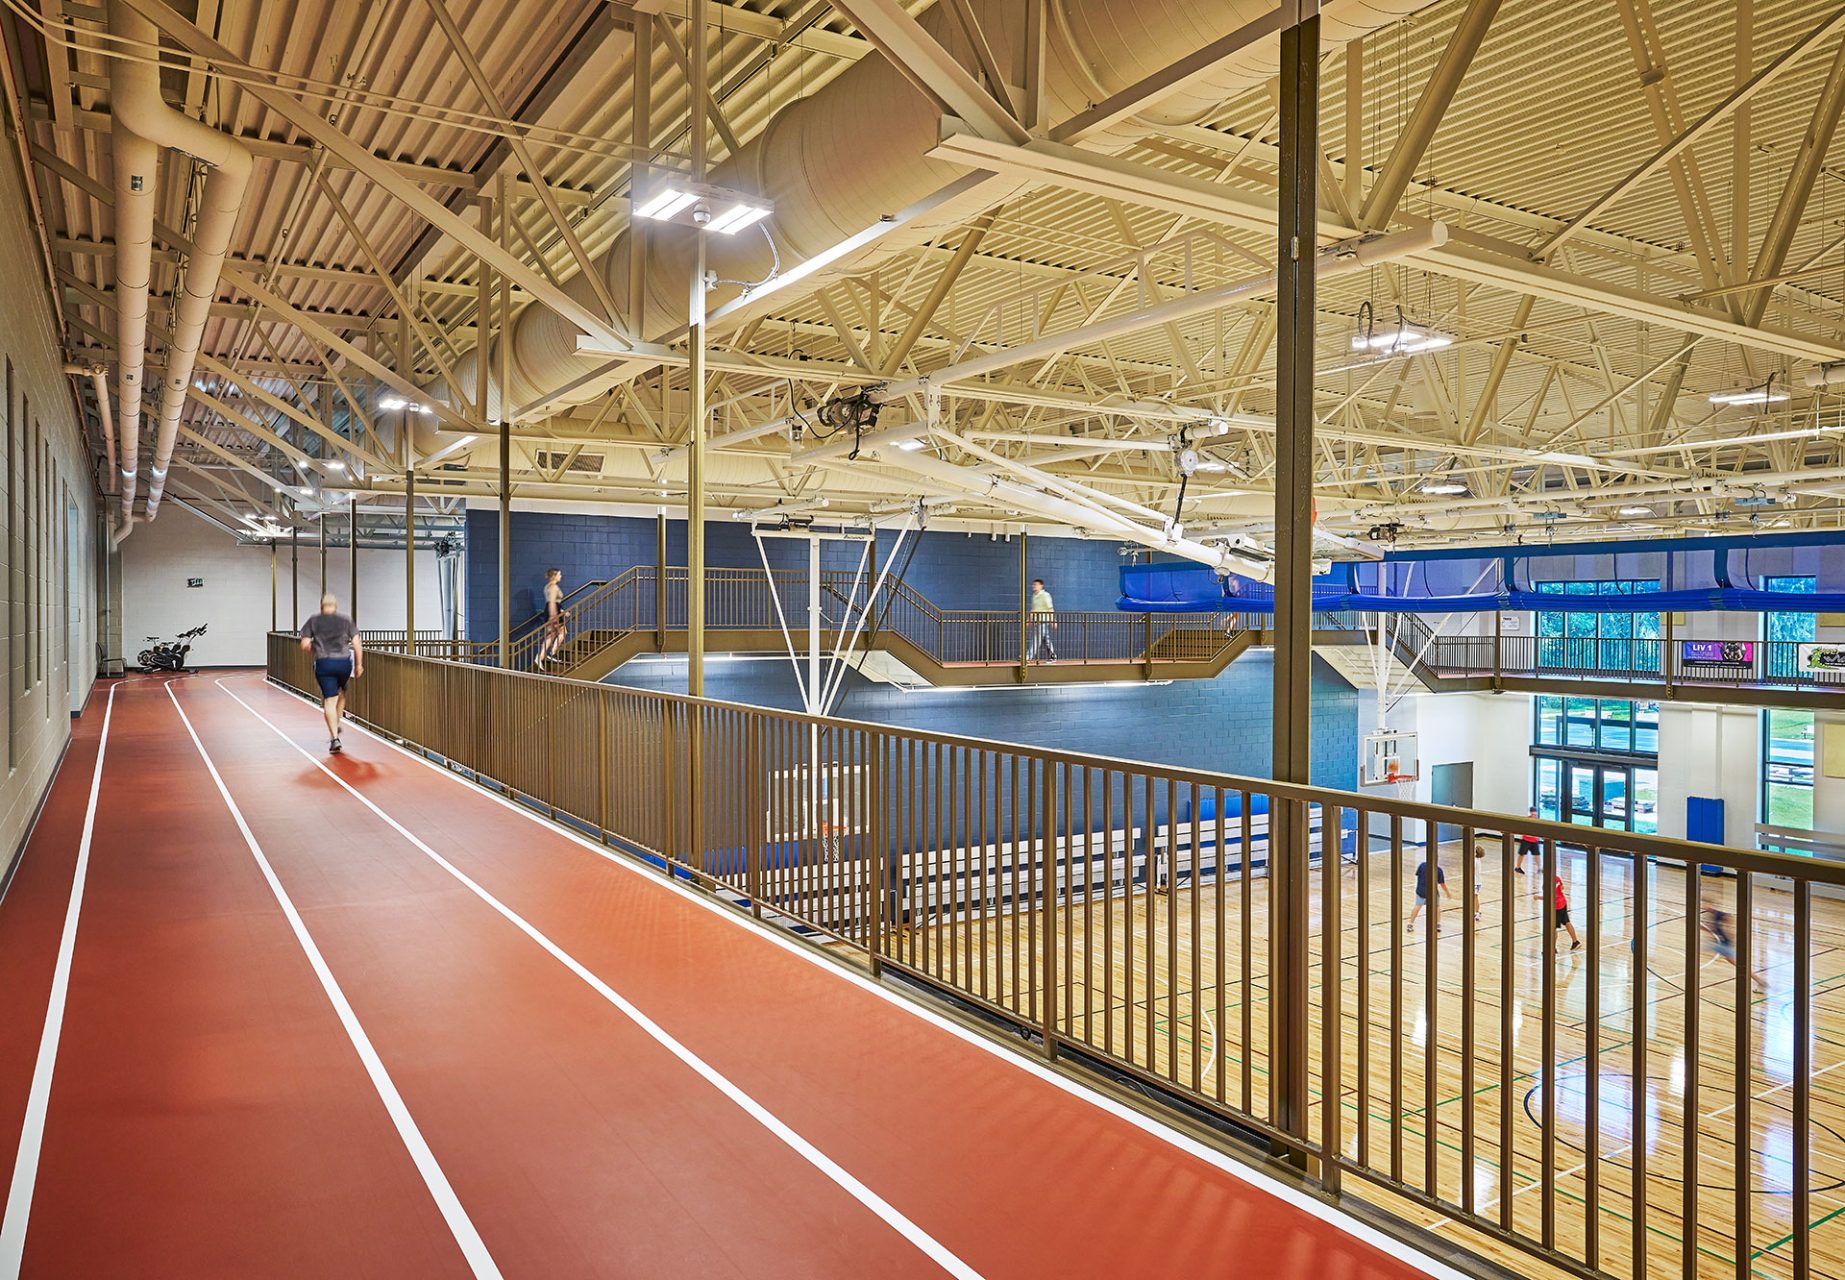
[165,656]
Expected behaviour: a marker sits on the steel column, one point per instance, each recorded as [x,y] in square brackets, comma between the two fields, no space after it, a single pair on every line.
[659,582]
[1300,148]
[503,329]
[409,536]
[352,557]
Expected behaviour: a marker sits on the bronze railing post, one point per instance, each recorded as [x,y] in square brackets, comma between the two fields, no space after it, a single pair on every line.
[1665,659]
[875,845]
[1024,602]
[1498,650]
[754,844]
[1047,844]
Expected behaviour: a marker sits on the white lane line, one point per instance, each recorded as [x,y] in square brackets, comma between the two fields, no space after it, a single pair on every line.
[1307,1203]
[38,1100]
[923,1241]
[459,1224]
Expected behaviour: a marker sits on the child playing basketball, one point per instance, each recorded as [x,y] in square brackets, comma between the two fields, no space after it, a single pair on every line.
[1715,921]
[1560,909]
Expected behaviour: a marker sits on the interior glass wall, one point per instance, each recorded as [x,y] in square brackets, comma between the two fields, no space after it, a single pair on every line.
[1595,762]
[1581,640]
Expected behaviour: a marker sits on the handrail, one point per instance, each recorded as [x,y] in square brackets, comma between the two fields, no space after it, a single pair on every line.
[739,599]
[1120,913]
[522,627]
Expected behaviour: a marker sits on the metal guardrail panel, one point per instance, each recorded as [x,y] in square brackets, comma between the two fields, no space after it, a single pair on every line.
[1120,910]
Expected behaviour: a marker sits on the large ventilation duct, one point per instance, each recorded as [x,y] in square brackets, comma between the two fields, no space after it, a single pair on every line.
[143,123]
[835,163]
[99,383]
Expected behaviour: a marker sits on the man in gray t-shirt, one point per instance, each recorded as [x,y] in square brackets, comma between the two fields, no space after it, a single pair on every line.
[333,639]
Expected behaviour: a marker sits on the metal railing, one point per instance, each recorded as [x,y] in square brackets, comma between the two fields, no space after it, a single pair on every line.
[1244,947]
[1768,663]
[427,644]
[745,599]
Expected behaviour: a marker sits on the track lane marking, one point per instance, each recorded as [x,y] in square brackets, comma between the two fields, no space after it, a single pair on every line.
[932,1248]
[38,1099]
[473,1248]
[1251,1176]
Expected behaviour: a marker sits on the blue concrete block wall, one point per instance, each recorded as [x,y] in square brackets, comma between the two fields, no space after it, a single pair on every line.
[1221,725]
[954,570]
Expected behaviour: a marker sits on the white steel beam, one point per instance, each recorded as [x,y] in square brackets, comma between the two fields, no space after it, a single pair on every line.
[1466,256]
[923,61]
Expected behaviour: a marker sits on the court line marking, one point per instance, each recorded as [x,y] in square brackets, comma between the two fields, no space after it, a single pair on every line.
[932,1248]
[1311,1205]
[459,1224]
[38,1099]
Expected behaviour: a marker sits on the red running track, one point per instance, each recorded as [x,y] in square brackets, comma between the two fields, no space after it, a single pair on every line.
[554,1064]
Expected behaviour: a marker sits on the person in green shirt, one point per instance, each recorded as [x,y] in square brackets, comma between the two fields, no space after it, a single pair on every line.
[1043,617]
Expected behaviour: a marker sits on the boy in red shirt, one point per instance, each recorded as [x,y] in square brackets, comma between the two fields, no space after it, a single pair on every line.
[1560,908]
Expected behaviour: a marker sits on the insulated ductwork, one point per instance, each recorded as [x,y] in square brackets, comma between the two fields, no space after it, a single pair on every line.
[143,124]
[856,151]
[99,383]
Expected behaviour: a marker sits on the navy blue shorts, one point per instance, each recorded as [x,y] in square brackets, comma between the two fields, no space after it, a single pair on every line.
[332,673]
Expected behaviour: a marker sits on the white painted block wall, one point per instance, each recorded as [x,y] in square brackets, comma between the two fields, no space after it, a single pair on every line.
[1491,730]
[48,559]
[158,558]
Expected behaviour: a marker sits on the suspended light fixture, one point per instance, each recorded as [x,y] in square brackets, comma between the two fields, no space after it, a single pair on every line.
[1404,340]
[1441,488]
[1767,393]
[1636,511]
[394,403]
[695,204]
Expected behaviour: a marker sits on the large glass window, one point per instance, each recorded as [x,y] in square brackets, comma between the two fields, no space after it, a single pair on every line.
[1787,768]
[1597,724]
[1595,762]
[1786,631]
[1587,640]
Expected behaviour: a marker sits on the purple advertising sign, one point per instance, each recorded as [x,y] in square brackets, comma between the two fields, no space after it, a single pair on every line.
[1717,653]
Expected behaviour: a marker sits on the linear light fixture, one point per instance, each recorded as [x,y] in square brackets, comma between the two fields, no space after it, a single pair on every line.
[1443,488]
[1764,394]
[398,402]
[1407,341]
[1635,511]
[717,209]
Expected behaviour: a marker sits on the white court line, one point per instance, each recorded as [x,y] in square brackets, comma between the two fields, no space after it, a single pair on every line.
[38,1100]
[893,1217]
[1293,1196]
[459,1224]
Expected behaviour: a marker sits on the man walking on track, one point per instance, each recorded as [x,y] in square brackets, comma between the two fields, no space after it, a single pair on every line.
[1043,613]
[333,639]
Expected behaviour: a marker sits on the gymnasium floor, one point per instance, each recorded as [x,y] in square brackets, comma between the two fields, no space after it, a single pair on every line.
[1189,998]
[270,1015]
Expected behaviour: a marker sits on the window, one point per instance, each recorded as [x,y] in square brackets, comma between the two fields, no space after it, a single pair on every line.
[12,559]
[1785,631]
[1583,639]
[29,619]
[1599,725]
[1787,768]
